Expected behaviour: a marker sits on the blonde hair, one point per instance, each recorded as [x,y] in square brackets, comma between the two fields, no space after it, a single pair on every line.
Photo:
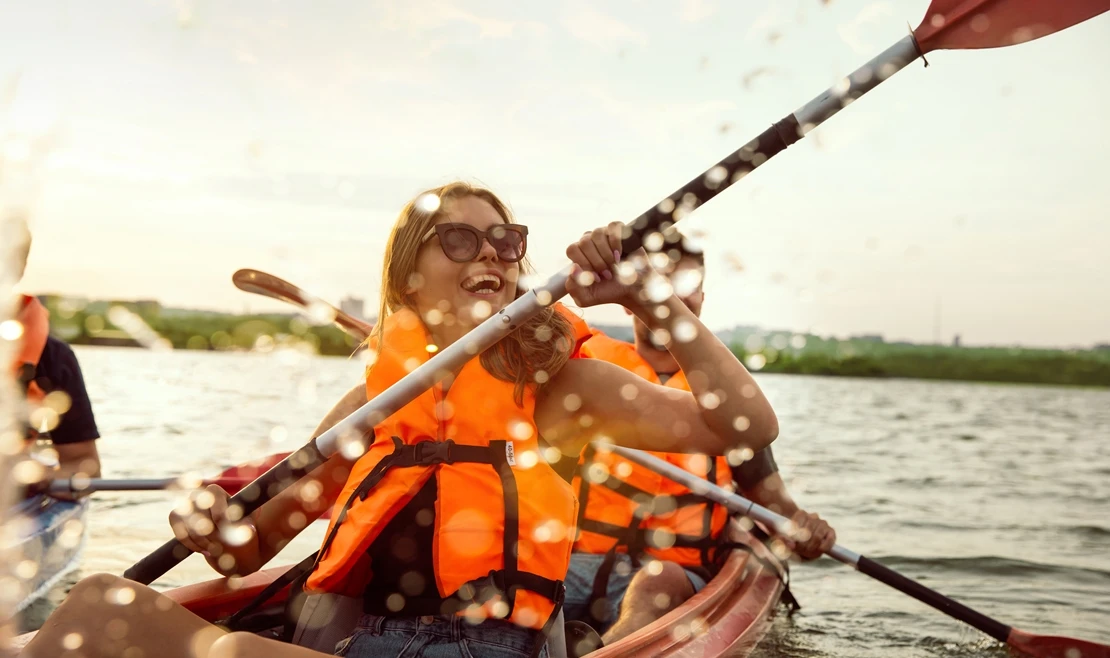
[543,343]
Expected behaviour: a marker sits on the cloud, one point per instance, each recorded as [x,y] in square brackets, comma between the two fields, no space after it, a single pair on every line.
[852,32]
[601,30]
[693,11]
[418,17]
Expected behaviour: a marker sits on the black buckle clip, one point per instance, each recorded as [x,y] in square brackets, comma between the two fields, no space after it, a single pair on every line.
[433,452]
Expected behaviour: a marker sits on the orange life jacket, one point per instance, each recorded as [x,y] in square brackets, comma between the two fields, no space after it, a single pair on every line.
[625,506]
[504,520]
[35,320]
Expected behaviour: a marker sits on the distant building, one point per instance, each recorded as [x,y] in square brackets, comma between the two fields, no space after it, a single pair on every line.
[956,340]
[353,306]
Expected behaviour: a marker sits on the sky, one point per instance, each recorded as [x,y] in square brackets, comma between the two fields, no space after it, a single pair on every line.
[160,146]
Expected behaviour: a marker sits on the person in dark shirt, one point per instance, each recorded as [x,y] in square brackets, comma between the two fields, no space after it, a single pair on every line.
[74,435]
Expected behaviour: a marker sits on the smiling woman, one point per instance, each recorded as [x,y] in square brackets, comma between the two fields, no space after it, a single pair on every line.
[476,268]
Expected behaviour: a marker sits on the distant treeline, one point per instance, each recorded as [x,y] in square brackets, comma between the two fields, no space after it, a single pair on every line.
[777,352]
[90,325]
[1029,366]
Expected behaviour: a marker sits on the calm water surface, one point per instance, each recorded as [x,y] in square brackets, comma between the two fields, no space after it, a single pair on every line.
[996,495]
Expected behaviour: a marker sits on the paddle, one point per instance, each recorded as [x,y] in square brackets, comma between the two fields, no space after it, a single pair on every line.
[269,285]
[77,486]
[988,24]
[1042,646]
[287,292]
[232,479]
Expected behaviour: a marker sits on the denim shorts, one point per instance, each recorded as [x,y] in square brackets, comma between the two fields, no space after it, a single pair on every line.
[437,637]
[580,585]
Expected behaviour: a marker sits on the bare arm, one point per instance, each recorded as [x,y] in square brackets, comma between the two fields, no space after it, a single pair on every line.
[725,408]
[285,515]
[590,400]
[276,522]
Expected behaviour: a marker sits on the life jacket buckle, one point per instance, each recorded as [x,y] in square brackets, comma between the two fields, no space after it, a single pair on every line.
[426,453]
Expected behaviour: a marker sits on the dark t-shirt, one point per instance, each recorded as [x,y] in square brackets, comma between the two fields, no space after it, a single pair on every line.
[58,371]
[401,560]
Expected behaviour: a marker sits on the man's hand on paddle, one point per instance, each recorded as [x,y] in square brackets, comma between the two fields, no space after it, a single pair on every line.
[812,536]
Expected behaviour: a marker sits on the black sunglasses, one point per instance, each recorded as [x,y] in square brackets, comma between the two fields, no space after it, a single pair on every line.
[462,242]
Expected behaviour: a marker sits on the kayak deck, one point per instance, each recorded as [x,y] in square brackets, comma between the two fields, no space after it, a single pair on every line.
[727,617]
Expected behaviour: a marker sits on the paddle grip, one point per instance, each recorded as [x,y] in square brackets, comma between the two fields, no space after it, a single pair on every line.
[250,498]
[954,609]
[709,184]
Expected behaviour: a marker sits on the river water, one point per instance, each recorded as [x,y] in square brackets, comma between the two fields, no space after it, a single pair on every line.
[996,495]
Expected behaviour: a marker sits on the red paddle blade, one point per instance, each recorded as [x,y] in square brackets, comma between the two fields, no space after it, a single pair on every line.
[968,24]
[1049,646]
[234,478]
[249,471]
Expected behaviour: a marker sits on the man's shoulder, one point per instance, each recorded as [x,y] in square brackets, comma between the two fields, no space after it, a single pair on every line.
[56,354]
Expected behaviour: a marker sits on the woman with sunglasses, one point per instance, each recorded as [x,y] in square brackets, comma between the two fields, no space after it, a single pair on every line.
[453,533]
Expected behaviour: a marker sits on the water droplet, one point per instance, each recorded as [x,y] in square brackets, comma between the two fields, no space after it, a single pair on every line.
[72,641]
[394,602]
[710,400]
[26,569]
[520,430]
[572,402]
[428,203]
[11,330]
[716,175]
[629,392]
[481,310]
[120,595]
[685,331]
[597,473]
[586,278]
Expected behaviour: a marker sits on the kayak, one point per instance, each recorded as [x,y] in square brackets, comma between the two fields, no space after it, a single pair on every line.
[47,539]
[727,617]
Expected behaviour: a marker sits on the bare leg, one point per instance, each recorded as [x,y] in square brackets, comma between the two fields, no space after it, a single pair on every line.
[105,616]
[649,597]
[248,645]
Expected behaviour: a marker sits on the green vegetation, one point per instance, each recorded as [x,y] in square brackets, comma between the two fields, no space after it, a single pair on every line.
[774,352]
[874,358]
[90,324]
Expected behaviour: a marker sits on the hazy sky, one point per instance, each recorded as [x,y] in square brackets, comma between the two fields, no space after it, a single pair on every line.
[190,139]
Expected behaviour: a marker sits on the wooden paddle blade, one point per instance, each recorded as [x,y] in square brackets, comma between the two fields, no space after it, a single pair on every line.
[1050,646]
[969,24]
[268,285]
